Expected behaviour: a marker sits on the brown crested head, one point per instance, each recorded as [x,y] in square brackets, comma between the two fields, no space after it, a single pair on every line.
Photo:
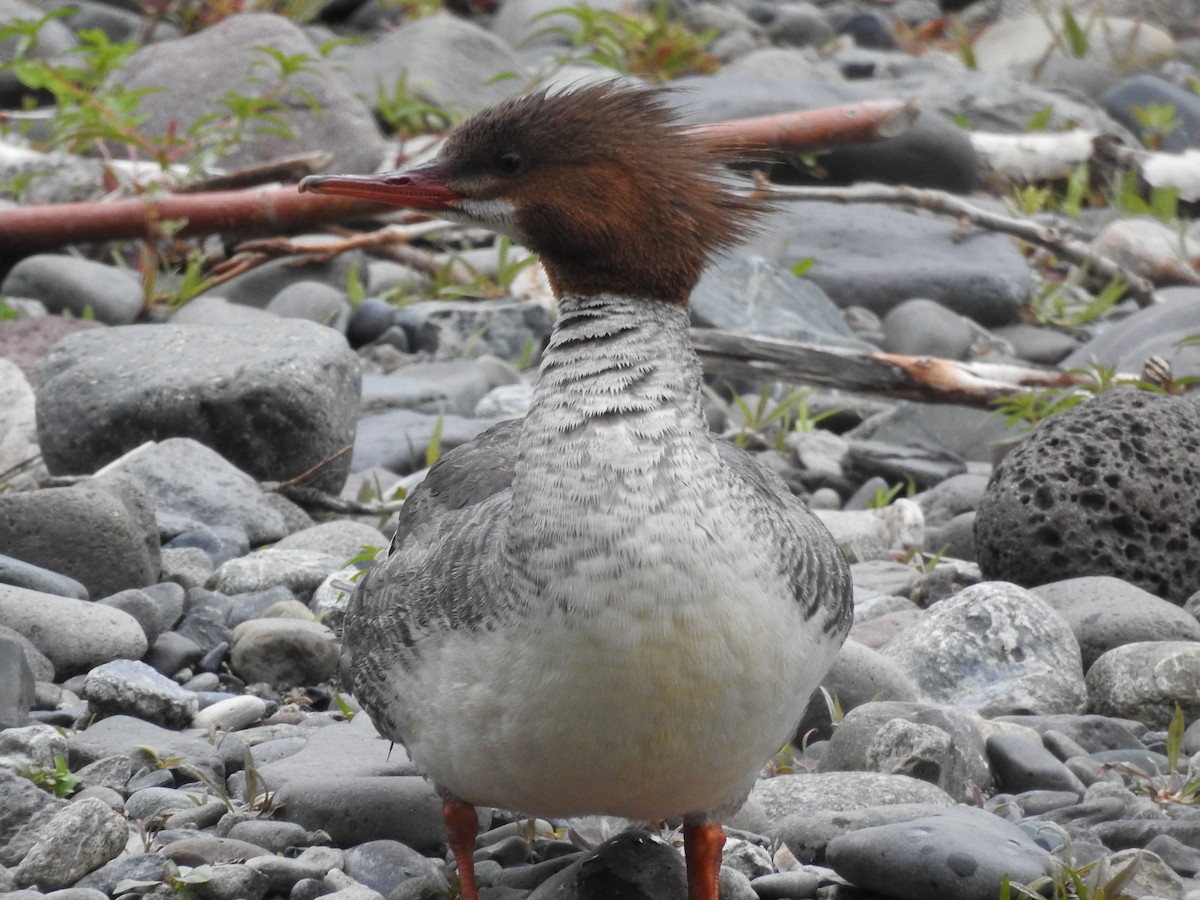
[601,180]
[606,185]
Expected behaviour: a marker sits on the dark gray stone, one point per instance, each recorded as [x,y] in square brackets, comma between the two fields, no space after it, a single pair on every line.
[1109,487]
[99,532]
[1093,733]
[924,328]
[368,320]
[192,74]
[381,865]
[1134,94]
[314,301]
[962,852]
[1106,612]
[353,809]
[273,401]
[1022,764]
[983,277]
[126,736]
[130,687]
[454,387]
[807,833]
[746,293]
[82,836]
[858,675]
[634,865]
[78,286]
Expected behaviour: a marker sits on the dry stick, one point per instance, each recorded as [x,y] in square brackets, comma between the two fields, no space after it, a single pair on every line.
[30,229]
[910,377]
[1045,236]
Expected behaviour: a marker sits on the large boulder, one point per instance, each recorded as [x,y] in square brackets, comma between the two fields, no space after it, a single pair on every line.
[275,400]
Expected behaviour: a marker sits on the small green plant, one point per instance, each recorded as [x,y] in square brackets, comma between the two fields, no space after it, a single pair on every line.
[1066,304]
[800,267]
[433,452]
[347,711]
[60,781]
[651,45]
[184,882]
[407,114]
[1091,881]
[7,312]
[1157,121]
[884,496]
[1162,202]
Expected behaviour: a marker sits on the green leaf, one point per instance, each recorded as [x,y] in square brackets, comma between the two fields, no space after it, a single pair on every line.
[1077,39]
[434,451]
[801,267]
[1040,120]
[1175,738]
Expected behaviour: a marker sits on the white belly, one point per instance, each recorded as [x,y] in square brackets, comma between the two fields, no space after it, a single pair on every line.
[665,699]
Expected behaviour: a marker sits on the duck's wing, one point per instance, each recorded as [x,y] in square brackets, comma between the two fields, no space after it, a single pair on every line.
[808,556]
[432,580]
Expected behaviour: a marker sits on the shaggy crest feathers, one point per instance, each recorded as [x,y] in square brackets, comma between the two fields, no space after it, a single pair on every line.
[608,187]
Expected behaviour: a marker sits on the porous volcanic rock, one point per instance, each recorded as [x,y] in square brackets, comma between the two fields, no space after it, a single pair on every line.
[1109,487]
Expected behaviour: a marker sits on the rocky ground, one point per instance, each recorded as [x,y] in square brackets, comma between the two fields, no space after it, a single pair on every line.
[1019,695]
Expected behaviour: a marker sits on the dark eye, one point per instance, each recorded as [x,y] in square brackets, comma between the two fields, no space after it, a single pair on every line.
[508,162]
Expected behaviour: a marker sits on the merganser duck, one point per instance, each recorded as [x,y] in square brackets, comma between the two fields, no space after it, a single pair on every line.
[599,608]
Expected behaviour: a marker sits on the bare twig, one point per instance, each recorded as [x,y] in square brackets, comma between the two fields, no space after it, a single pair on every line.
[1048,237]
[280,486]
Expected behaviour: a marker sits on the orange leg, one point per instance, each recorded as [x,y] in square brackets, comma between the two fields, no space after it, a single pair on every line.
[462,827]
[702,848]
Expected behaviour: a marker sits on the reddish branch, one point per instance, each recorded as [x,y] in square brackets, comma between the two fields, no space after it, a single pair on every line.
[30,229]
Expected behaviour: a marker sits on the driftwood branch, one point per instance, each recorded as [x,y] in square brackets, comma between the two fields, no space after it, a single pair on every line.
[1045,236]
[30,229]
[909,377]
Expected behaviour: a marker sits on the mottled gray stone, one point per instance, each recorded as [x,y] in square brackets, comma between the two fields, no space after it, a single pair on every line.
[995,648]
[82,836]
[1145,681]
[633,865]
[784,795]
[353,809]
[130,687]
[284,652]
[126,736]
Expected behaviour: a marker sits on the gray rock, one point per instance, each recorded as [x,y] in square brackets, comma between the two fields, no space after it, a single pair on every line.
[192,74]
[195,487]
[858,675]
[785,795]
[800,25]
[126,736]
[97,634]
[994,648]
[940,745]
[81,837]
[1094,733]
[16,684]
[70,284]
[924,328]
[314,301]
[129,687]
[23,815]
[808,833]
[1141,90]
[1023,764]
[952,497]
[341,539]
[346,748]
[233,714]
[1154,331]
[1104,488]
[284,652]
[750,294]
[142,607]
[786,885]
[208,309]
[983,277]
[300,571]
[34,578]
[99,532]
[446,61]
[962,852]
[353,809]
[382,865]
[149,803]
[277,837]
[1038,344]
[19,451]
[1145,681]
[634,865]
[54,38]
[273,401]
[1105,612]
